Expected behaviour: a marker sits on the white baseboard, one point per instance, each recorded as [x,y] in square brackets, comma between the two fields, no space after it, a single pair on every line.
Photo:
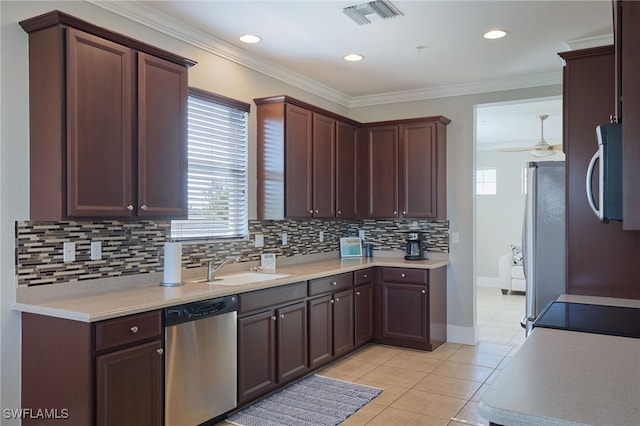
[493,282]
[463,335]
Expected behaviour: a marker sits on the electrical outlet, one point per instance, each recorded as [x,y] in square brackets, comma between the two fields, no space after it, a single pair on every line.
[96,250]
[69,252]
[258,240]
[361,234]
[455,237]
[321,236]
[284,239]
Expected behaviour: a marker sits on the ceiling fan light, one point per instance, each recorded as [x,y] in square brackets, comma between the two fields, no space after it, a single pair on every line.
[542,152]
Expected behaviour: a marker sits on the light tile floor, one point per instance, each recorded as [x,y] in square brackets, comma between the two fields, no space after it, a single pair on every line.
[442,387]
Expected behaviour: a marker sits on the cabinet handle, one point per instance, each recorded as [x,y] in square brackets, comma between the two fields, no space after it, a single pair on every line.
[402,275]
[134,329]
[273,318]
[424,291]
[160,351]
[357,293]
[365,276]
[333,283]
[130,207]
[144,207]
[281,316]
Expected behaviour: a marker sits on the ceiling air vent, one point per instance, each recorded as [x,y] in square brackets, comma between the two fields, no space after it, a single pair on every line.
[380,8]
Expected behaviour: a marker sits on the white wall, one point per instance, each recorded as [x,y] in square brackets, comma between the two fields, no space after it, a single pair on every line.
[230,79]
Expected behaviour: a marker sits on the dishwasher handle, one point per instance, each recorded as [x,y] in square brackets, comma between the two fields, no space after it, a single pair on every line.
[179,314]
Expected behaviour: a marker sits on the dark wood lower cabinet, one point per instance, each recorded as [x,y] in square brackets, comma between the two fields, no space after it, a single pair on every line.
[272,350]
[363,314]
[330,327]
[105,373]
[405,310]
[129,390]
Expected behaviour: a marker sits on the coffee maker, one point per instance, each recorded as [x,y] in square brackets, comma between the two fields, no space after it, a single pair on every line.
[414,246]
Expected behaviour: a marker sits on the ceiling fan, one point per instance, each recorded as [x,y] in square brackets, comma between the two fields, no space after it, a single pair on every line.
[542,148]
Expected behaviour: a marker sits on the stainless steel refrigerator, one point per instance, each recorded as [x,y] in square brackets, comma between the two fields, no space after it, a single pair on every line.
[543,239]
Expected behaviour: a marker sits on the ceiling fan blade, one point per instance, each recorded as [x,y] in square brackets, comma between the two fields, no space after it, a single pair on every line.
[515,149]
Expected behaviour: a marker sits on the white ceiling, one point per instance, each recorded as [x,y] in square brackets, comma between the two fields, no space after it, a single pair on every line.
[303,43]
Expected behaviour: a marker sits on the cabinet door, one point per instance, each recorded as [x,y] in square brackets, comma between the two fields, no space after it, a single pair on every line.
[382,185]
[418,170]
[320,331]
[630,114]
[298,162]
[324,166]
[292,341]
[256,355]
[342,322]
[99,127]
[162,138]
[129,386]
[405,312]
[346,170]
[363,314]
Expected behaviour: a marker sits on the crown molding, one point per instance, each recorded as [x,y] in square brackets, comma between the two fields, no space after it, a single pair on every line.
[168,25]
[587,42]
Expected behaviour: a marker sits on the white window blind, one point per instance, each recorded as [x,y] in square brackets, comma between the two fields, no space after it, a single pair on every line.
[217,157]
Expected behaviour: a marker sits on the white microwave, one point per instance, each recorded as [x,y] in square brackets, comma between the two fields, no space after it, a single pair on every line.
[609,160]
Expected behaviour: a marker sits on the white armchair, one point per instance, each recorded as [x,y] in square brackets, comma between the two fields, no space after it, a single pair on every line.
[511,274]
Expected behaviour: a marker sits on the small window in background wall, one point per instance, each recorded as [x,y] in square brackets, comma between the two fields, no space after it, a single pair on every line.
[486,181]
[523,180]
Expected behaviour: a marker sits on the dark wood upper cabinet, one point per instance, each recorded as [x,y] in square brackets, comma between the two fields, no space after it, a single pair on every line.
[299,163]
[346,170]
[630,39]
[601,259]
[107,123]
[404,169]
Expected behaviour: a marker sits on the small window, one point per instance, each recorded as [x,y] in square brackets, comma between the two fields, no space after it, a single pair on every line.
[486,181]
[523,180]
[217,168]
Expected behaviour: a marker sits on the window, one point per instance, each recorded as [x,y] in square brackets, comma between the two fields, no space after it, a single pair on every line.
[217,168]
[486,181]
[523,179]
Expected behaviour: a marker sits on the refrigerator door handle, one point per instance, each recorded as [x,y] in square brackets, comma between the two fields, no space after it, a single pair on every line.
[598,211]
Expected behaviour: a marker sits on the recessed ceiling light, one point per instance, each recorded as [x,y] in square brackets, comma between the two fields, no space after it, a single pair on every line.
[250,38]
[353,57]
[494,34]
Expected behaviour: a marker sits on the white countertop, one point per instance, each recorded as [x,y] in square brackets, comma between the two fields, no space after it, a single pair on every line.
[100,300]
[563,377]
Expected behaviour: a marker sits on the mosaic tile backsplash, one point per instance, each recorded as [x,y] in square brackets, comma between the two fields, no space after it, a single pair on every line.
[130,248]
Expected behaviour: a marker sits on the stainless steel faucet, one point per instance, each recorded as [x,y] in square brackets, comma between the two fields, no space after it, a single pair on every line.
[211,270]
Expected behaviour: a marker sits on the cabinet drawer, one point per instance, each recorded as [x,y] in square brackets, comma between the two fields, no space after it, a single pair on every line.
[263,299]
[365,276]
[405,275]
[130,329]
[330,284]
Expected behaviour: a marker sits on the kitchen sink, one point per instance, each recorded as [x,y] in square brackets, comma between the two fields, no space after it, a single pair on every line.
[243,278]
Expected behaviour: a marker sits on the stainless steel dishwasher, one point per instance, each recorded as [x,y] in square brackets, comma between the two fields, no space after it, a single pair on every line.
[200,361]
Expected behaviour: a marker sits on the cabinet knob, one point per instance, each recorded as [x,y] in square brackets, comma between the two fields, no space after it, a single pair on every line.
[144,207]
[273,318]
[134,329]
[424,291]
[365,276]
[311,211]
[395,212]
[357,293]
[160,351]
[404,212]
[316,212]
[337,299]
[130,207]
[333,283]
[333,301]
[281,316]
[403,275]
[339,211]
